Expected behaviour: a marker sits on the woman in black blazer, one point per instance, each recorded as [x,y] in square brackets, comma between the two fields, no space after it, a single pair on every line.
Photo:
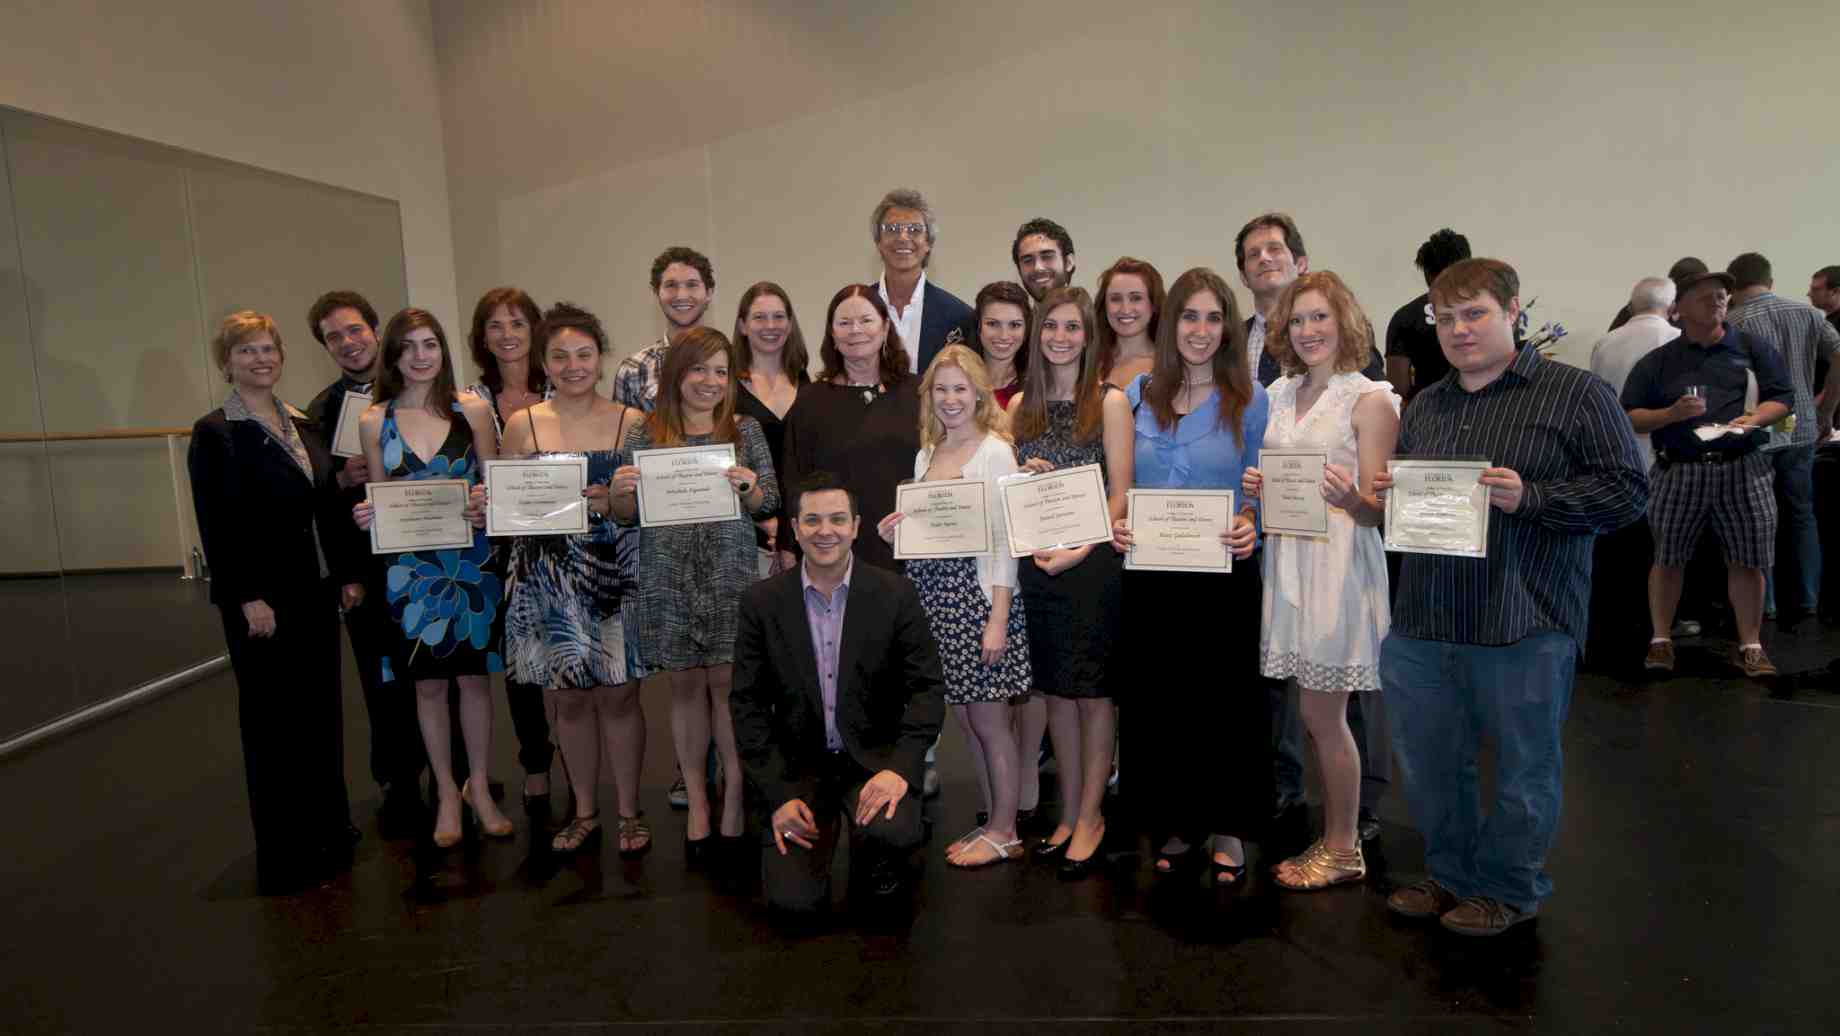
[261,489]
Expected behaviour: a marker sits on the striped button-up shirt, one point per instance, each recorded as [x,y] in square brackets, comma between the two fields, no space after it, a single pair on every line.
[1799,332]
[1562,431]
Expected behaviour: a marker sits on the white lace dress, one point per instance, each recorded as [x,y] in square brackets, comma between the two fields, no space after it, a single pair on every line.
[1326,607]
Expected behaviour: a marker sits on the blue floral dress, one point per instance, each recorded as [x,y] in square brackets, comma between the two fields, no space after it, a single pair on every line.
[444,602]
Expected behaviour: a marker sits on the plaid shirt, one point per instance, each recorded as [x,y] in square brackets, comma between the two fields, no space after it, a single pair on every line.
[1797,330]
[635,382]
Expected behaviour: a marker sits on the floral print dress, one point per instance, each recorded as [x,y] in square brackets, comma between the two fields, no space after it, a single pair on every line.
[444,602]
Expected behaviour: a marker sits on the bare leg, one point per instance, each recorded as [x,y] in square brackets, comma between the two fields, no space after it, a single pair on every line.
[1098,732]
[437,740]
[1031,724]
[476,729]
[1064,729]
[690,737]
[721,679]
[1745,585]
[962,713]
[1664,598]
[578,738]
[990,721]
[1325,716]
[623,741]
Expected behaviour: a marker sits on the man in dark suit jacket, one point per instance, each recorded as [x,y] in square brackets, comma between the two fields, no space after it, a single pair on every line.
[838,693]
[904,229]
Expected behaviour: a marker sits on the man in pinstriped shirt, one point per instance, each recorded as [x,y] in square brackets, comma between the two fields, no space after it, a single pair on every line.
[1487,647]
[1800,334]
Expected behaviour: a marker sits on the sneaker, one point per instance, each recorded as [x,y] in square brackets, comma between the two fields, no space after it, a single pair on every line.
[1686,628]
[1660,656]
[1424,899]
[679,795]
[1479,915]
[1754,662]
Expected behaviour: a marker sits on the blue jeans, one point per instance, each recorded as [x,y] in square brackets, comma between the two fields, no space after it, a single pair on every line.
[1444,700]
[1795,585]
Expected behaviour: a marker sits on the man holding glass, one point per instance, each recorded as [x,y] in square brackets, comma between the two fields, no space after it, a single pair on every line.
[1689,397]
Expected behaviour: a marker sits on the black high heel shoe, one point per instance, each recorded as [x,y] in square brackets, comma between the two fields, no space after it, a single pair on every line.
[1072,869]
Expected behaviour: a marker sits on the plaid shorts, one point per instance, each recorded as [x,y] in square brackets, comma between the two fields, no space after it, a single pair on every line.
[1738,496]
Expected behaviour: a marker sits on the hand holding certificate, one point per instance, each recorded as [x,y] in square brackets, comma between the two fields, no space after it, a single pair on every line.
[684,485]
[1179,530]
[1064,508]
[345,441]
[1438,507]
[943,519]
[541,497]
[429,514]
[1293,503]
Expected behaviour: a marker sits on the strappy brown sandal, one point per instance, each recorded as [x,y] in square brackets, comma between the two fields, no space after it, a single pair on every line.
[577,834]
[634,829]
[1320,867]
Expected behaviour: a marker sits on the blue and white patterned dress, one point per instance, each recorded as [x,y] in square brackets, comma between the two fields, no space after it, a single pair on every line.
[562,616]
[444,602]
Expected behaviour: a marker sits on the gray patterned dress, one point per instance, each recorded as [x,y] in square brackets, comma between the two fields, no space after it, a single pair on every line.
[690,577]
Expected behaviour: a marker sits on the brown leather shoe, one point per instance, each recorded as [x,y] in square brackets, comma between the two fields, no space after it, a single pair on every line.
[1479,915]
[1424,899]
[1754,662]
[1660,656]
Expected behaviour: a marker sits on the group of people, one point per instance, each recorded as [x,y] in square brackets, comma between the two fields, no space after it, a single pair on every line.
[819,721]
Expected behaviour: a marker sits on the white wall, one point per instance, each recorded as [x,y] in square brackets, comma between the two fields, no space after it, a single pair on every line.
[1587,144]
[339,91]
[342,93]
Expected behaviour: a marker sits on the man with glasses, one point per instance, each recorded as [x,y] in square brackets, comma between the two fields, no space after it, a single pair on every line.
[928,317]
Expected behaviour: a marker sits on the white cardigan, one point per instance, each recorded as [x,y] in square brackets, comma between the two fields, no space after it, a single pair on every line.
[995,458]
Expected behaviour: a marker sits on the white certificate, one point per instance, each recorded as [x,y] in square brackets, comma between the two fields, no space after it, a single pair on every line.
[1178,530]
[1063,508]
[684,485]
[1291,500]
[1438,507]
[943,519]
[536,497]
[345,441]
[429,514]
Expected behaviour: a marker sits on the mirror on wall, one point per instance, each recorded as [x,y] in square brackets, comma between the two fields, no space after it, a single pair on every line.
[118,258]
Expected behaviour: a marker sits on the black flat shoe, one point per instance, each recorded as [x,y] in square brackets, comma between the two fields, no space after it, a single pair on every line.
[697,851]
[1178,862]
[983,819]
[1046,850]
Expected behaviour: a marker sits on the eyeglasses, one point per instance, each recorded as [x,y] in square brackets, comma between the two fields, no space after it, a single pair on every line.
[909,229]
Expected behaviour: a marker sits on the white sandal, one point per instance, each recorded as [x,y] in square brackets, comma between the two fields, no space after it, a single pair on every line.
[1006,851]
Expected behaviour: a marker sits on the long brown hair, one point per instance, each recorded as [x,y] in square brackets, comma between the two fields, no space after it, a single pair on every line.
[390,383]
[1012,293]
[1031,418]
[1153,283]
[666,421]
[1354,333]
[1231,378]
[520,302]
[894,352]
[792,358]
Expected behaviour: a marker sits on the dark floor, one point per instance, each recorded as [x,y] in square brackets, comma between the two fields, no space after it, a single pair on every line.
[71,641]
[1692,871]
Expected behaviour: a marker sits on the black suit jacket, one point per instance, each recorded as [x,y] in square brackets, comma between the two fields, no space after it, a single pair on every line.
[890,687]
[257,511]
[944,320]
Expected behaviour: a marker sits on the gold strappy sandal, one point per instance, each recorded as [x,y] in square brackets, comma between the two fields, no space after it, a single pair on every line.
[1320,867]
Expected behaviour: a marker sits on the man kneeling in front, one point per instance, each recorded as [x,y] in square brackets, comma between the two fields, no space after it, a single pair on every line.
[833,716]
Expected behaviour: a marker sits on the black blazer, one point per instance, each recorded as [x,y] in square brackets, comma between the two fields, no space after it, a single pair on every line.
[257,509]
[890,687]
[944,320]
